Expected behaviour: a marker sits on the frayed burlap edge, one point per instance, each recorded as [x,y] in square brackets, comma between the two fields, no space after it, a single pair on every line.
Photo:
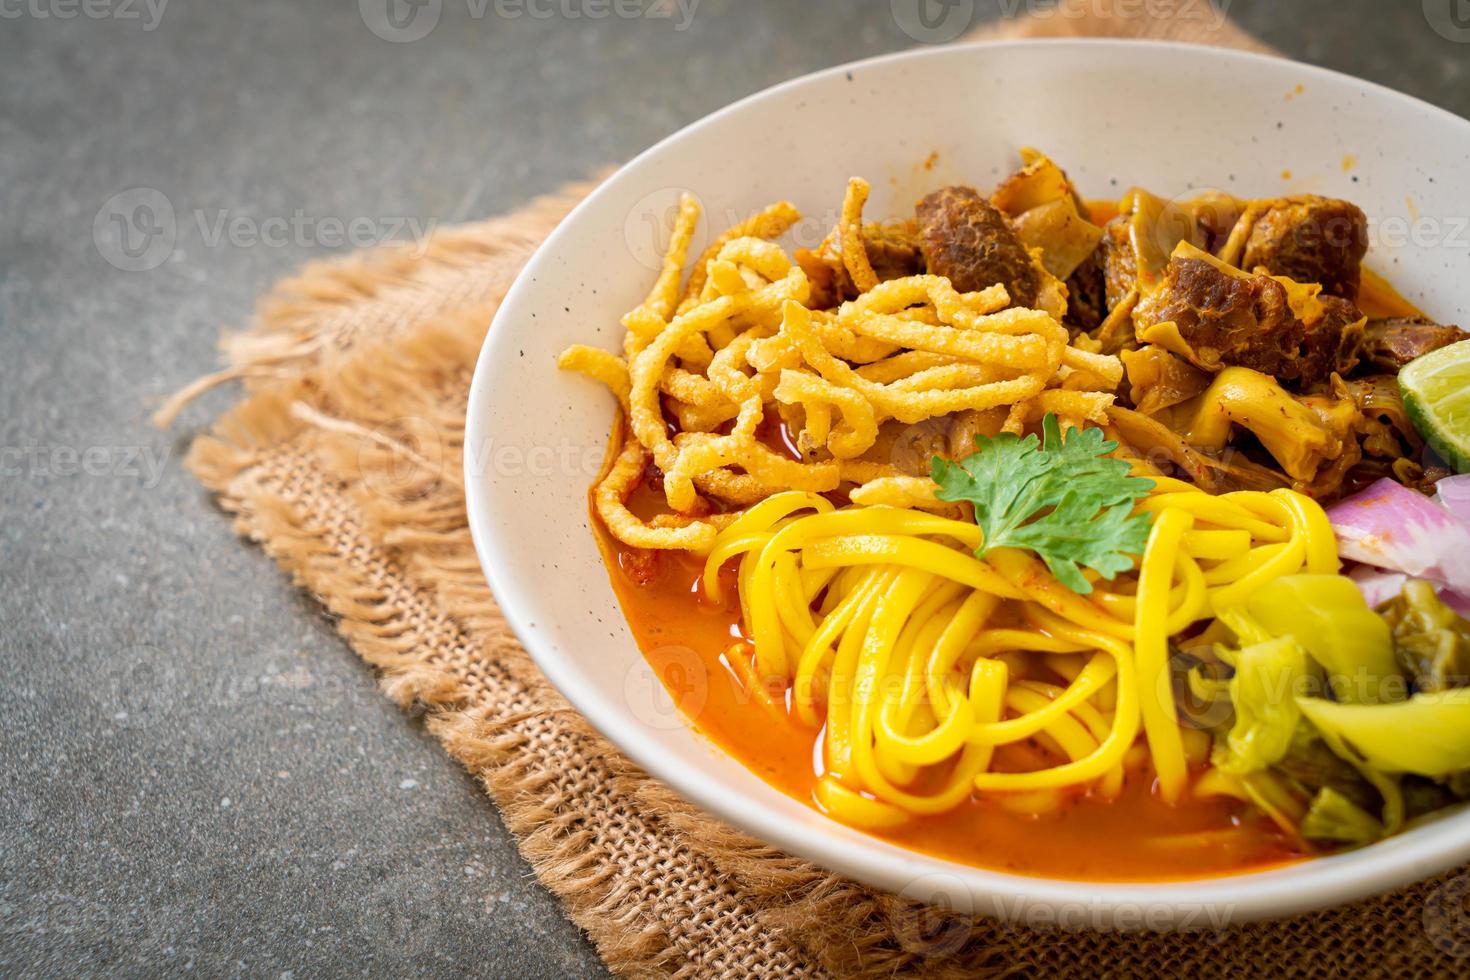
[344,464]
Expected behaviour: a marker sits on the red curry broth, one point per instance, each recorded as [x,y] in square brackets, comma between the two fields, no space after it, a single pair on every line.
[1135,837]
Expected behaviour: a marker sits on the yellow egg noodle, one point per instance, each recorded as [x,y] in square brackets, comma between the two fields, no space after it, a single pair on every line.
[917,688]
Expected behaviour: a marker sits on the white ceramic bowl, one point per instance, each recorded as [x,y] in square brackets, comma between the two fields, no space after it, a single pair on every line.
[1171,118]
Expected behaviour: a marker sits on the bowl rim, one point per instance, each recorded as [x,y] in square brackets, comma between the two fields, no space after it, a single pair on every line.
[1248,896]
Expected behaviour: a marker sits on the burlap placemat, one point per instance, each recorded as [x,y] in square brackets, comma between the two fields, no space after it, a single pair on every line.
[343,462]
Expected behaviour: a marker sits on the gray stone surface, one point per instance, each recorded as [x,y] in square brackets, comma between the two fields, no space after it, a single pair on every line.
[195,772]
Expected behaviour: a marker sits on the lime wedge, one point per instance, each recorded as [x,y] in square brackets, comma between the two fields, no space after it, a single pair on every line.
[1436,390]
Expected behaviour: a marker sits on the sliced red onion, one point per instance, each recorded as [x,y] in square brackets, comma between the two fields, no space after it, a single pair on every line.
[1398,529]
[1377,585]
[1453,494]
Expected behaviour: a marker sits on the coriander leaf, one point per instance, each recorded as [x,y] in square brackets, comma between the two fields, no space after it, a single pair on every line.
[1064,499]
[1077,533]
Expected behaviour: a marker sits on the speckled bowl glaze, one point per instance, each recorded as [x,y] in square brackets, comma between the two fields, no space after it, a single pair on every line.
[1175,119]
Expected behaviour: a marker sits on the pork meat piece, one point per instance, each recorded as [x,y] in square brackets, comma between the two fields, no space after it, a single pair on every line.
[1087,294]
[1389,344]
[1228,317]
[1311,239]
[966,238]
[1332,344]
[1120,263]
[893,248]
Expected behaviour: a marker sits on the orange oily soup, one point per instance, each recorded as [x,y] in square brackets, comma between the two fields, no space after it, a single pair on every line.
[1136,837]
